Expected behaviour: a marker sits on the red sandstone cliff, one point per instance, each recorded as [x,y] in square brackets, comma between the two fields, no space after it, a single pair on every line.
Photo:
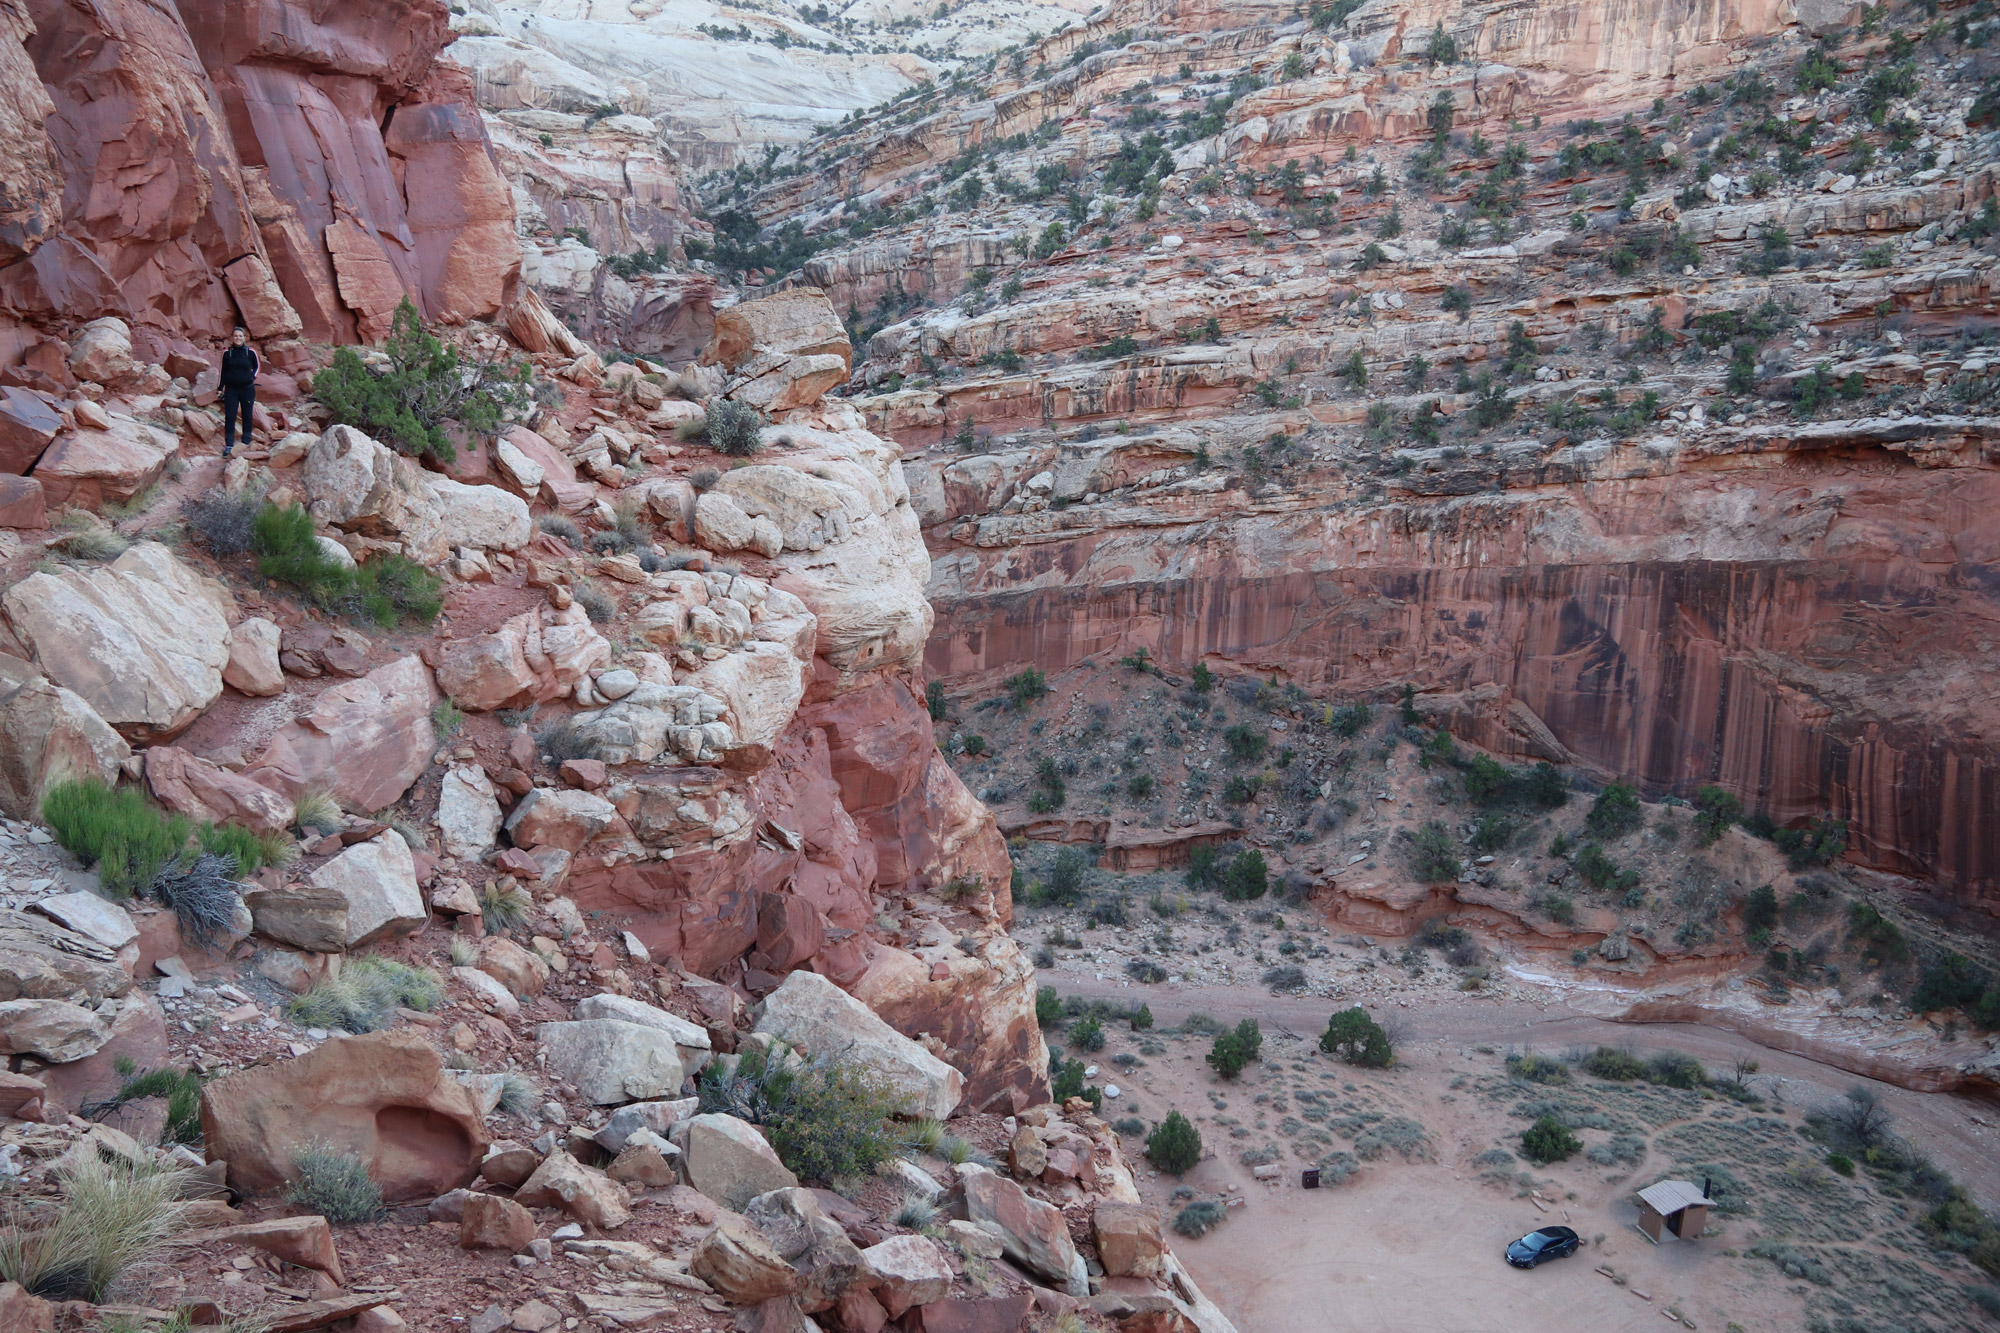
[189,168]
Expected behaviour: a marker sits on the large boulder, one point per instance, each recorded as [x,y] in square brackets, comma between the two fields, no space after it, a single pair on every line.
[559,817]
[816,1246]
[483,517]
[49,734]
[377,880]
[365,740]
[468,816]
[101,352]
[610,1062]
[54,1030]
[28,425]
[22,504]
[253,659]
[721,525]
[385,1097]
[763,684]
[142,640]
[691,1040]
[300,913]
[1129,1240]
[810,512]
[1032,1233]
[93,466]
[810,1011]
[585,1193]
[781,351]
[909,1270]
[359,485]
[741,1265]
[187,784]
[729,1160]
[533,658]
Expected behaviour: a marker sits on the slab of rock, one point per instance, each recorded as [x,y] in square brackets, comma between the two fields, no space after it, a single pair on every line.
[508,1164]
[355,483]
[763,684]
[188,784]
[586,1194]
[42,960]
[101,352]
[1027,1154]
[814,1244]
[365,740]
[490,1222]
[47,735]
[468,816]
[910,1270]
[741,1265]
[93,466]
[1129,1240]
[992,1314]
[1032,1233]
[54,1030]
[253,659]
[690,1039]
[610,1062]
[560,818]
[301,914]
[384,1096]
[88,914]
[484,518]
[378,881]
[304,1241]
[810,1011]
[644,1165]
[142,640]
[729,1160]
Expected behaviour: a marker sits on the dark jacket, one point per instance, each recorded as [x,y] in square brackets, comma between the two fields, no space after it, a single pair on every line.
[239,367]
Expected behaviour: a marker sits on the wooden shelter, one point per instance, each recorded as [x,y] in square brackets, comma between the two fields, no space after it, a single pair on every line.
[1674,1205]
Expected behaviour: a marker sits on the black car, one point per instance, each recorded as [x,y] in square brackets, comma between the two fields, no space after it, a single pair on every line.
[1548,1243]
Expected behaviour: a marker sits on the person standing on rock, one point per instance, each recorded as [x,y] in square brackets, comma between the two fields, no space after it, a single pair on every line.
[239,388]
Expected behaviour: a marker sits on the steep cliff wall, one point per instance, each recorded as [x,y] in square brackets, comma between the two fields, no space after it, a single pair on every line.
[295,171]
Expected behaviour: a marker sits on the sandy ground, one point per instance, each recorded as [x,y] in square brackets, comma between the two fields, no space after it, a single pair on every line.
[1417,1245]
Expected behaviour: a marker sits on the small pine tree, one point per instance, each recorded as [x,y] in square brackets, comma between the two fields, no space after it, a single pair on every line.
[1357,1039]
[1143,1018]
[1548,1141]
[1175,1146]
[1227,1056]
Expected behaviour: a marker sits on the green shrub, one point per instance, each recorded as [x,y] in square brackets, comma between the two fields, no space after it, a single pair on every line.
[1174,1146]
[388,589]
[1247,877]
[1608,1062]
[124,835]
[181,1088]
[1024,687]
[732,428]
[425,386]
[1548,1141]
[1715,810]
[1600,871]
[1246,743]
[504,907]
[1226,1056]
[113,1223]
[827,1119]
[1819,843]
[1351,720]
[1760,912]
[366,995]
[1616,812]
[1087,1034]
[1433,854]
[1068,876]
[1199,1218]
[1142,1018]
[1533,1068]
[1841,1162]
[1952,982]
[1048,1006]
[1676,1069]
[334,1184]
[1065,1080]
[1352,1036]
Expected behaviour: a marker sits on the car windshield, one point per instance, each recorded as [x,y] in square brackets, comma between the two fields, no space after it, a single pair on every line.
[1535,1240]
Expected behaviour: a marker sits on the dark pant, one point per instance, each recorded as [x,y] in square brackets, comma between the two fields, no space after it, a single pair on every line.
[234,397]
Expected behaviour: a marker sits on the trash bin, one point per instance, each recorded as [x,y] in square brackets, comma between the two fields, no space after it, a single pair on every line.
[1310,1178]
